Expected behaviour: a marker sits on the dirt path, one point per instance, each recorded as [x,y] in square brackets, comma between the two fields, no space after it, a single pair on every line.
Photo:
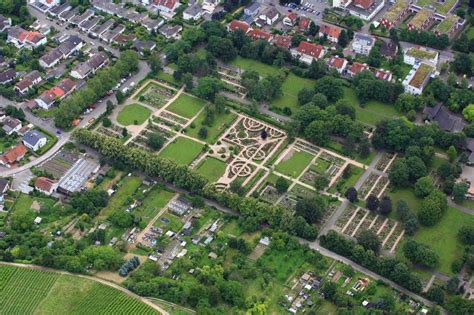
[102,281]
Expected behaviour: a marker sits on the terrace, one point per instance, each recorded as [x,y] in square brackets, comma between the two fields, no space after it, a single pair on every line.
[394,12]
[421,54]
[420,18]
[447,24]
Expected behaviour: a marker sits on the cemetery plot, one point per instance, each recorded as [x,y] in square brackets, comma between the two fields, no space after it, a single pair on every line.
[255,140]
[60,163]
[112,131]
[380,186]
[306,146]
[156,95]
[392,241]
[385,161]
[367,185]
[351,226]
[346,216]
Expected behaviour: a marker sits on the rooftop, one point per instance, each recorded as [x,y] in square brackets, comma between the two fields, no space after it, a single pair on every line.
[421,53]
[447,24]
[421,17]
[421,74]
[394,12]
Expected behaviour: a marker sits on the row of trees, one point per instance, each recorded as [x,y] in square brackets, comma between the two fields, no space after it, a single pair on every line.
[253,212]
[97,87]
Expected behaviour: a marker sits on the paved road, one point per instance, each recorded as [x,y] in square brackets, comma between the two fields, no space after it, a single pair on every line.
[102,281]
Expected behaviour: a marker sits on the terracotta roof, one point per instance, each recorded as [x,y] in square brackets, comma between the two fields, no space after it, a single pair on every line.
[303,24]
[330,31]
[165,3]
[336,62]
[235,24]
[383,74]
[364,3]
[357,67]
[258,34]
[310,49]
[44,183]
[292,16]
[282,41]
[15,154]
[57,91]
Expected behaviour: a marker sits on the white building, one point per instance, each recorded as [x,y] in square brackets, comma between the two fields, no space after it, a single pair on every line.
[417,78]
[362,44]
[193,12]
[34,140]
[416,55]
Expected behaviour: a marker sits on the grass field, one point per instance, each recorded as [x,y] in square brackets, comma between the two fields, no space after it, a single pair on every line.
[154,202]
[373,111]
[186,106]
[134,114]
[443,237]
[442,8]
[294,165]
[406,194]
[290,88]
[221,122]
[347,182]
[182,150]
[470,33]
[28,291]
[128,186]
[212,169]
[250,64]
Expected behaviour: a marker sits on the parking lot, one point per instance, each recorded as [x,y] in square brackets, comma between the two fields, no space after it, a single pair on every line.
[312,9]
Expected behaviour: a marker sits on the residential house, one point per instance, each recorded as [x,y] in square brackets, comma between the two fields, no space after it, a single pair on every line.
[7,76]
[362,44]
[56,11]
[388,49]
[50,3]
[170,32]
[382,74]
[282,41]
[89,67]
[417,78]
[50,59]
[446,120]
[144,46]
[34,140]
[422,20]
[256,34]
[109,35]
[4,185]
[303,24]
[166,8]
[470,148]
[98,30]
[395,14]
[30,80]
[238,25]
[123,39]
[13,155]
[22,38]
[68,47]
[79,19]
[337,63]
[45,185]
[290,19]
[252,9]
[355,68]
[5,23]
[193,12]
[88,25]
[270,16]
[67,86]
[67,16]
[153,24]
[209,6]
[332,32]
[47,99]
[449,25]
[307,52]
[416,55]
[11,125]
[365,9]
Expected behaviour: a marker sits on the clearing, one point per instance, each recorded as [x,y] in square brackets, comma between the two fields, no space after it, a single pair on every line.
[182,150]
[134,114]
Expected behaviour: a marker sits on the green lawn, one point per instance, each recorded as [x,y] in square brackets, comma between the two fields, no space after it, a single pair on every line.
[470,33]
[186,106]
[134,114]
[182,150]
[294,165]
[373,111]
[212,169]
[153,203]
[221,122]
[442,8]
[344,183]
[126,189]
[250,64]
[290,88]
[406,194]
[163,76]
[443,238]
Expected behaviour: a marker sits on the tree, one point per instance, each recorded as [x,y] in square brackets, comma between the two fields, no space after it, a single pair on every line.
[369,240]
[420,254]
[202,133]
[351,194]
[372,202]
[321,101]
[399,173]
[331,87]
[155,141]
[468,112]
[452,153]
[436,294]
[236,187]
[305,95]
[424,186]
[343,39]
[452,285]
[433,208]
[106,122]
[154,61]
[282,185]
[329,290]
[407,102]
[466,234]
[208,87]
[124,132]
[318,132]
[459,191]
[416,168]
[321,182]
[311,208]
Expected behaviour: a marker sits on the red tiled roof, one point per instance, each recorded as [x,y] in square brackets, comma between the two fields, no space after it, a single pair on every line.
[303,23]
[292,16]
[310,49]
[330,31]
[57,91]
[235,25]
[383,75]
[165,3]
[15,154]
[258,34]
[357,67]
[283,41]
[336,62]
[44,183]
[364,3]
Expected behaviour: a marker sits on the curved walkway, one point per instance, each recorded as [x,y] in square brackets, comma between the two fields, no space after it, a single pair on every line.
[102,281]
